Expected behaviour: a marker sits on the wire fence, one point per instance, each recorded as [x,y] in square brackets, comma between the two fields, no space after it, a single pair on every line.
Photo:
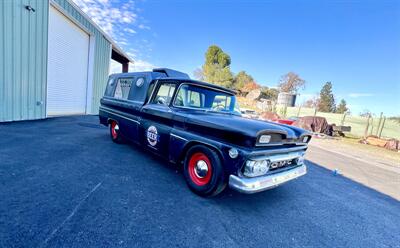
[360,126]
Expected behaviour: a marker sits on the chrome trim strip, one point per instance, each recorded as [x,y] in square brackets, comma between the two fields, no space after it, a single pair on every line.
[257,184]
[280,157]
[277,151]
[178,137]
[280,144]
[117,113]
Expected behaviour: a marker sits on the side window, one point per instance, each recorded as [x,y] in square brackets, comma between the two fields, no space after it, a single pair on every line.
[221,102]
[194,99]
[189,97]
[164,94]
[122,88]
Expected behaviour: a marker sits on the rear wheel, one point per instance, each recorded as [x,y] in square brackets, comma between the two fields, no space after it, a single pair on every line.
[115,132]
[203,171]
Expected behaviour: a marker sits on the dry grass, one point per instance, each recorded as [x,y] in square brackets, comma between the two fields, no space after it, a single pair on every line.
[351,145]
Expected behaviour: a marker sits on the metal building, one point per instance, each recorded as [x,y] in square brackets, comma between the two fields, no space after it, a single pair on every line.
[53,60]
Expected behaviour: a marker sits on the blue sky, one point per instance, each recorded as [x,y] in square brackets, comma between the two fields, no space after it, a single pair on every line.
[353,44]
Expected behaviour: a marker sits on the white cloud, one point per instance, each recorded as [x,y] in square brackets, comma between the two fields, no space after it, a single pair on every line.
[115,67]
[142,26]
[138,65]
[129,30]
[117,22]
[141,65]
[357,95]
[108,17]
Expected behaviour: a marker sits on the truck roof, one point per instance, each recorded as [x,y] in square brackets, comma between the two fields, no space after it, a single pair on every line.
[165,73]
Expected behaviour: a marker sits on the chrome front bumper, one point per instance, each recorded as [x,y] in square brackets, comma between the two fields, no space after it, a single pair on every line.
[261,183]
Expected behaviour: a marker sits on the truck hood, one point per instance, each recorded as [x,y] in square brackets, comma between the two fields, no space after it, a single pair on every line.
[240,125]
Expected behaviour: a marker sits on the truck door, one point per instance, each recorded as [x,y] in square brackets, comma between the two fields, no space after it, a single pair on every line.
[157,119]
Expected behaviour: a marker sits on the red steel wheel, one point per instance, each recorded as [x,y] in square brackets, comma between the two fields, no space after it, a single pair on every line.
[200,169]
[114,130]
[115,133]
[204,171]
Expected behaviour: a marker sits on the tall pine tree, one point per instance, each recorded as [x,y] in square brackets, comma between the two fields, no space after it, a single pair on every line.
[326,99]
[342,107]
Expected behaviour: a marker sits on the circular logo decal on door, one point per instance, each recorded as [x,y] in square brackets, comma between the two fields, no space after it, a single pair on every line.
[152,135]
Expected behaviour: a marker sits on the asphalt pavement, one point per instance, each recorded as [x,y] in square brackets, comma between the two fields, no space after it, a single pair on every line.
[374,174]
[64,183]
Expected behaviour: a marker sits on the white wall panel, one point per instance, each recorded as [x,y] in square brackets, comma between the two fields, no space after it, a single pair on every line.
[67,69]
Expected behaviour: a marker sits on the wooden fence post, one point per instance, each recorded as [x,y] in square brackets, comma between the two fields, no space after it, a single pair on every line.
[383,124]
[298,111]
[285,111]
[379,124]
[366,127]
[372,126]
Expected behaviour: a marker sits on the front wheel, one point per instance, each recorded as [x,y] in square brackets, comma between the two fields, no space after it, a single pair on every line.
[203,171]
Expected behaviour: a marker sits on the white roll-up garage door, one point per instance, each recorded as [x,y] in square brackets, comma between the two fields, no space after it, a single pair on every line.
[67,71]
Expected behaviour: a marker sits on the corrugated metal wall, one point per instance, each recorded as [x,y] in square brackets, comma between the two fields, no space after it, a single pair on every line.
[23,58]
[101,56]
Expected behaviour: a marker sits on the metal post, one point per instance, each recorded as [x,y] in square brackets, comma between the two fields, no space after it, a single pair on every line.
[315,112]
[366,127]
[125,67]
[344,116]
[383,124]
[298,111]
[379,124]
[372,126]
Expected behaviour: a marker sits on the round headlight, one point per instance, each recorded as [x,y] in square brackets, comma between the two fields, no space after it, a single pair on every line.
[256,168]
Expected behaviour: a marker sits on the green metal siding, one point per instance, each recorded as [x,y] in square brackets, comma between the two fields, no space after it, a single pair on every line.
[23,59]
[101,55]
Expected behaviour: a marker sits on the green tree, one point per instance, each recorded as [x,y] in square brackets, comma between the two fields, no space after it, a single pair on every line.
[342,107]
[326,99]
[269,93]
[241,79]
[216,68]
[291,83]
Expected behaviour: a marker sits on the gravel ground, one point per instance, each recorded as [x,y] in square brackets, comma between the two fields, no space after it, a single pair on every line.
[63,183]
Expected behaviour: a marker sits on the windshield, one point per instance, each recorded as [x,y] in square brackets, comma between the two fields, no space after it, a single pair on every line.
[193,96]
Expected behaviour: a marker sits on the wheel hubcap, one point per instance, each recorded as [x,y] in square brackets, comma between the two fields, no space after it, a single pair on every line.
[201,169]
[114,130]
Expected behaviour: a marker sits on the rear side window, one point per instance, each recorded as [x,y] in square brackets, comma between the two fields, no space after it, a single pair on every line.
[123,88]
[110,87]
